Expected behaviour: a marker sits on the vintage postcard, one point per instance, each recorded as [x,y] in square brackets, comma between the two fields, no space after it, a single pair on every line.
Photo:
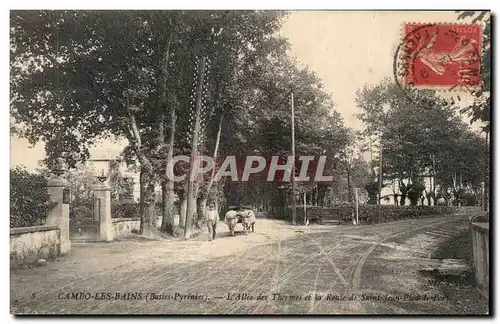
[258,162]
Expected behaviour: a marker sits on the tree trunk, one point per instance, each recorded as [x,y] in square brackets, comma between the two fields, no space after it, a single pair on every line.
[321,196]
[142,184]
[402,201]
[148,218]
[167,188]
[266,197]
[194,215]
[167,198]
[182,208]
[146,206]
[194,150]
[202,207]
[349,189]
[204,200]
[218,207]
[167,217]
[404,190]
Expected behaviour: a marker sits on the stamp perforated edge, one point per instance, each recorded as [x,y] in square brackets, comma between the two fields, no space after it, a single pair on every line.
[446,89]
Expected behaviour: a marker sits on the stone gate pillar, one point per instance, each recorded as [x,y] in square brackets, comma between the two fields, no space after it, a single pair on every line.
[59,209]
[103,193]
[97,206]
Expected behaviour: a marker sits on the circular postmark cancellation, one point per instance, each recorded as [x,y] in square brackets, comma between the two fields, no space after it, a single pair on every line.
[439,57]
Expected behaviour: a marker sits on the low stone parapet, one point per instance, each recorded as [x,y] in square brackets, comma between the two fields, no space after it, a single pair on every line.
[123,227]
[480,238]
[29,244]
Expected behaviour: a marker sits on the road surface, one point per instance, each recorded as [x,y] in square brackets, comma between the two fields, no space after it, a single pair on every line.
[276,270]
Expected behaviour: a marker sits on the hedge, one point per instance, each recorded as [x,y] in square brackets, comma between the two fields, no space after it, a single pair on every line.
[367,213]
[125,210]
[130,209]
[29,199]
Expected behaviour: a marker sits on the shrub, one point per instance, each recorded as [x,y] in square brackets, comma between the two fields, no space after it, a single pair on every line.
[28,198]
[81,212]
[368,213]
[125,210]
[415,192]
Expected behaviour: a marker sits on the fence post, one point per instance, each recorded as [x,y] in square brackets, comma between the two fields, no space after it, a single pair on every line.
[58,215]
[357,206]
[102,193]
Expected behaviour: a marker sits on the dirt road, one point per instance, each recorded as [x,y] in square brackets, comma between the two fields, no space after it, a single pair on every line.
[277,270]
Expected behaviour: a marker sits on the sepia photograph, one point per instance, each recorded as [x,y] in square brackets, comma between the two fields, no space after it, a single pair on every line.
[250,162]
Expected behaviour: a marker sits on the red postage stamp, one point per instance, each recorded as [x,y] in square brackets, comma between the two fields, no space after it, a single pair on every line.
[438,56]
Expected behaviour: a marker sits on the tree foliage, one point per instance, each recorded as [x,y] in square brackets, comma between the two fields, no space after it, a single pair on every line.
[82,181]
[418,142]
[28,198]
[80,75]
[480,109]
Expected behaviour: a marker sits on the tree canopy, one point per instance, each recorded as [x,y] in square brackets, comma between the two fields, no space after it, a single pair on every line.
[420,142]
[77,76]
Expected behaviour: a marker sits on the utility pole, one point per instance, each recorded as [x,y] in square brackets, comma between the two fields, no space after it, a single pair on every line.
[486,177]
[433,187]
[379,180]
[305,209]
[356,191]
[294,206]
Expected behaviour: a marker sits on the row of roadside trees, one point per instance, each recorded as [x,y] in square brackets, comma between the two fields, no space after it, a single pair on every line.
[166,80]
[418,142]
[421,141]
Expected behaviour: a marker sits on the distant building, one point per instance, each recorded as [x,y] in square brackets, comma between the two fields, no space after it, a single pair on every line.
[392,192]
[102,162]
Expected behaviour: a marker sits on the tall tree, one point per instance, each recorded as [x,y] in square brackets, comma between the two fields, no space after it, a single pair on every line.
[417,142]
[80,75]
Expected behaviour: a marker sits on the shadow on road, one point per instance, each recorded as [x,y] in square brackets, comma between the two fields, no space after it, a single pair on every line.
[270,261]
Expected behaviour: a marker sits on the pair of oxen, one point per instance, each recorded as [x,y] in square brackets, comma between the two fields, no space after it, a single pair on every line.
[233,217]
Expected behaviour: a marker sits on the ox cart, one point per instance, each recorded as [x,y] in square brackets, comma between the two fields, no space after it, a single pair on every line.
[243,215]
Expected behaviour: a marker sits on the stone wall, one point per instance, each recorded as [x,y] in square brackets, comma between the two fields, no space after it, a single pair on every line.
[479,231]
[123,227]
[29,244]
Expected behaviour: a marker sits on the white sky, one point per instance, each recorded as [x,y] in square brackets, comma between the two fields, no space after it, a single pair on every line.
[348,49]
[345,48]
